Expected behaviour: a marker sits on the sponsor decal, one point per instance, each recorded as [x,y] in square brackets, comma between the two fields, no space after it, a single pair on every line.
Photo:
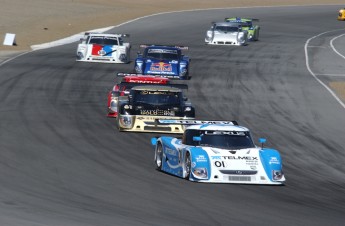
[98,50]
[216,157]
[241,158]
[274,160]
[157,112]
[162,51]
[146,81]
[171,151]
[201,158]
[146,92]
[161,66]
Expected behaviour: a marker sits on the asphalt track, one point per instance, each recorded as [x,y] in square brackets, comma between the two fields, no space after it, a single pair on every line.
[62,162]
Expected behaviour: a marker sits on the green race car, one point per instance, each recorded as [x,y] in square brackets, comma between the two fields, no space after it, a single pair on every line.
[247,24]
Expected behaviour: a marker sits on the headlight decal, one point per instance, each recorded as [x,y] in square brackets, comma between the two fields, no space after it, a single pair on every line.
[126,121]
[201,164]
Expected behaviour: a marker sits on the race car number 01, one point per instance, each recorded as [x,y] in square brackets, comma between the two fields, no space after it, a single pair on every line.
[220,164]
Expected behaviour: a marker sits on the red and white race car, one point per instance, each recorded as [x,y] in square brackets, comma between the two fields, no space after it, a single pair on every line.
[129,81]
[105,48]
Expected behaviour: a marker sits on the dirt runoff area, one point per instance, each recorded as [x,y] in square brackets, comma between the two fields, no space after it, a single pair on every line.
[40,21]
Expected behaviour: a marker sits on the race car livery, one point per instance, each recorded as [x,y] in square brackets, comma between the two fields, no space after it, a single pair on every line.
[224,33]
[246,24]
[105,48]
[167,61]
[217,152]
[341,14]
[129,81]
[140,110]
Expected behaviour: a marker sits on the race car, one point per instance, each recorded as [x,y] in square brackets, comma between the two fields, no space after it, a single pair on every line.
[140,110]
[167,61]
[341,14]
[129,81]
[105,48]
[224,33]
[217,152]
[246,24]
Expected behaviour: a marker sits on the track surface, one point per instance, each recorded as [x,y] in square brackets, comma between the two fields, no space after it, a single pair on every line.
[62,162]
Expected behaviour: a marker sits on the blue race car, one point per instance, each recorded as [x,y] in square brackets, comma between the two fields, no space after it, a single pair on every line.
[166,61]
[217,152]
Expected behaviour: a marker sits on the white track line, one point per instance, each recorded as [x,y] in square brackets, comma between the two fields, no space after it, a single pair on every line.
[313,74]
[334,49]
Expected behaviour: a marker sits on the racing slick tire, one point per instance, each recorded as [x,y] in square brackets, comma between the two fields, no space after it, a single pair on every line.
[187,166]
[257,35]
[159,156]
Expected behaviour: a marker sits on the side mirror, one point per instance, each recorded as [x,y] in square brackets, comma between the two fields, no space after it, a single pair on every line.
[262,141]
[154,141]
[197,139]
[130,98]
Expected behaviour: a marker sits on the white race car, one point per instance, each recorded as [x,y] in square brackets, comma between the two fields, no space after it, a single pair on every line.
[217,152]
[224,33]
[105,48]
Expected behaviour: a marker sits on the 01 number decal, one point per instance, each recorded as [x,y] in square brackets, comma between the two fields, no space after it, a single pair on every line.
[220,164]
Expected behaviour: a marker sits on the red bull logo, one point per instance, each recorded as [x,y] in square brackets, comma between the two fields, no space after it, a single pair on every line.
[161,66]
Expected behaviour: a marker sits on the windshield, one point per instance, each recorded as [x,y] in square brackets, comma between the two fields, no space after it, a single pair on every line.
[162,54]
[226,29]
[220,139]
[157,97]
[103,40]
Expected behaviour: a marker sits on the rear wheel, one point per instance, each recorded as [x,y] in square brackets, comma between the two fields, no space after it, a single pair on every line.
[159,156]
[187,165]
[257,35]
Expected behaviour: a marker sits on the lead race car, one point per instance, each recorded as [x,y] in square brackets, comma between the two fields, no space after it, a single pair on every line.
[129,81]
[217,152]
[140,110]
[246,24]
[105,48]
[164,60]
[224,33]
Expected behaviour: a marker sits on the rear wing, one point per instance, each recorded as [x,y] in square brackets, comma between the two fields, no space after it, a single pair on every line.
[121,74]
[130,85]
[195,122]
[99,33]
[239,19]
[173,46]
[143,79]
[177,86]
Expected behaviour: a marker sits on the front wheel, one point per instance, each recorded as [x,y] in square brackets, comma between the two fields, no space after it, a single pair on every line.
[187,165]
[159,156]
